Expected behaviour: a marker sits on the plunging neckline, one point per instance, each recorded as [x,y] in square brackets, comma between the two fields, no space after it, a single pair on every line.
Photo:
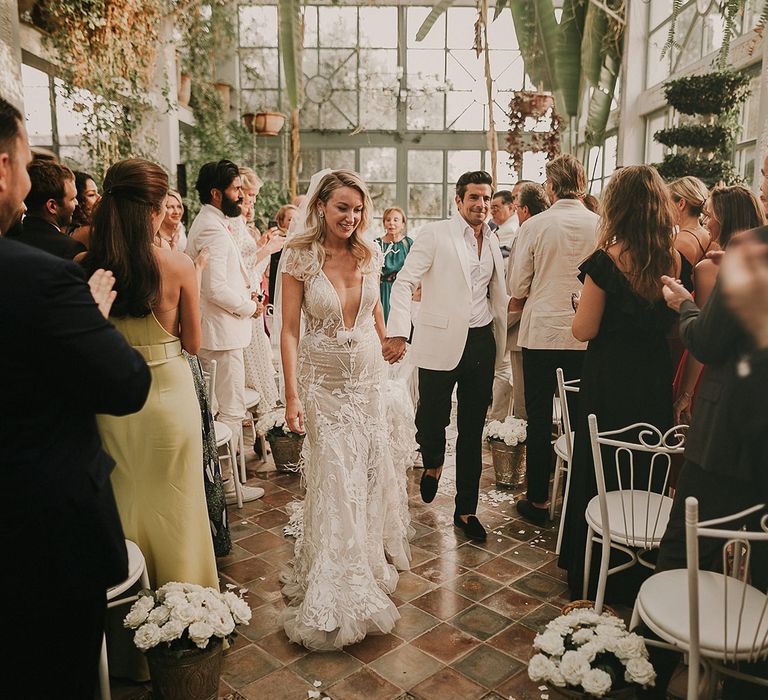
[341,306]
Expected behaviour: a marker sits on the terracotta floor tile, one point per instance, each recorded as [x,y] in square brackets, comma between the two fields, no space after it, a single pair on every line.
[438,542]
[405,666]
[278,685]
[413,622]
[442,603]
[497,544]
[328,667]
[541,616]
[270,518]
[264,620]
[440,571]
[247,665]
[280,647]
[411,586]
[469,555]
[238,529]
[541,586]
[237,553]
[521,530]
[521,687]
[512,604]
[279,498]
[502,570]
[267,587]
[553,570]
[531,557]
[480,622]
[516,640]
[434,519]
[374,646]
[246,570]
[474,586]
[261,542]
[487,666]
[420,556]
[448,684]
[279,556]
[364,684]
[419,529]
[445,642]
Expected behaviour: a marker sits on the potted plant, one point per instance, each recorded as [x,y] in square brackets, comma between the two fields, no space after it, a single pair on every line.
[184,88]
[507,442]
[585,655]
[180,627]
[286,445]
[268,123]
[225,95]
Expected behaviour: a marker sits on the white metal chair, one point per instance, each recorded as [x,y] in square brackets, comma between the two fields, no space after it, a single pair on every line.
[734,623]
[563,450]
[225,437]
[252,400]
[633,518]
[137,569]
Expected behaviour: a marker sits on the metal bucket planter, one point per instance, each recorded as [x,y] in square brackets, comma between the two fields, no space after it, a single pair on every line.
[191,674]
[508,463]
[286,451]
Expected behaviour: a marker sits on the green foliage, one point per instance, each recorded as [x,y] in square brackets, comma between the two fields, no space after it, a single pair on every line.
[712,93]
[536,29]
[271,197]
[432,17]
[710,172]
[291,45]
[568,54]
[706,137]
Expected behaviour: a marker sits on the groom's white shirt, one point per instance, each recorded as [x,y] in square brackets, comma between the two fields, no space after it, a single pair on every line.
[439,260]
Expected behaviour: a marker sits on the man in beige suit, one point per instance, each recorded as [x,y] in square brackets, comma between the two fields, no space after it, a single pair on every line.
[227,302]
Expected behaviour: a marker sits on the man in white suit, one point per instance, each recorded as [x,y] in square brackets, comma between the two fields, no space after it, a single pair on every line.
[458,339]
[227,302]
[548,251]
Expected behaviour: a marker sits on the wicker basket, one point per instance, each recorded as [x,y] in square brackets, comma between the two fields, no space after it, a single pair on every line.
[508,463]
[286,451]
[579,604]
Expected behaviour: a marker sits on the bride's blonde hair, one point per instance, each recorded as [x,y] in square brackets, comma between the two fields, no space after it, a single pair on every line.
[313,233]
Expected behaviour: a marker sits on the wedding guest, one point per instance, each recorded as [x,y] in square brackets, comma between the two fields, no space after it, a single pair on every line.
[727,211]
[50,204]
[172,232]
[458,339]
[157,481]
[257,356]
[395,245]
[283,220]
[503,221]
[62,363]
[550,247]
[692,240]
[592,203]
[627,373]
[87,199]
[227,302]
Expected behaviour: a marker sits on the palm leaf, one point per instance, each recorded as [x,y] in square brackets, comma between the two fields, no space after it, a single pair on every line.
[568,54]
[291,44]
[593,43]
[432,17]
[536,29]
[600,102]
[500,5]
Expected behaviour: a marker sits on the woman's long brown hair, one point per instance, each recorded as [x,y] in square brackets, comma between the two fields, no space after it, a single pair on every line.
[637,214]
[122,235]
[737,209]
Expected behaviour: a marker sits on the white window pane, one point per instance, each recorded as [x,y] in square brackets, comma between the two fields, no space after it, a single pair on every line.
[654,151]
[37,106]
[310,26]
[464,70]
[378,164]
[378,27]
[425,112]
[460,162]
[383,197]
[507,70]
[378,69]
[338,26]
[501,31]
[660,10]
[258,25]
[260,101]
[533,166]
[259,68]
[436,36]
[425,166]
[69,117]
[595,163]
[461,27]
[463,112]
[340,112]
[378,110]
[425,200]
[657,68]
[426,68]
[339,158]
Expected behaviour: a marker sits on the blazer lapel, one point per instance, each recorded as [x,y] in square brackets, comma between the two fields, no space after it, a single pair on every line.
[461,250]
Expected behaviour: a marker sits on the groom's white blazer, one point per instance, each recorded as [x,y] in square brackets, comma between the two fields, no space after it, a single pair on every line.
[439,260]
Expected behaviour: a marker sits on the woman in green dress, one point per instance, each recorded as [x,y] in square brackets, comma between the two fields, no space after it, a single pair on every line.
[395,246]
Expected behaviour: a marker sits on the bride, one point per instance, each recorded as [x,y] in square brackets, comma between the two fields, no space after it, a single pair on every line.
[354,536]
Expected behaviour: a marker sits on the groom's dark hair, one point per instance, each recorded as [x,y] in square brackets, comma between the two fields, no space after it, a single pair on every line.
[474,177]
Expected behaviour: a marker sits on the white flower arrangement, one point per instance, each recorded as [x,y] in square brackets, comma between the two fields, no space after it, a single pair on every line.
[511,431]
[272,424]
[185,616]
[591,653]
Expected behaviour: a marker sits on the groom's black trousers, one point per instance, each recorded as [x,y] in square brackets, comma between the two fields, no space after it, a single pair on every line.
[474,377]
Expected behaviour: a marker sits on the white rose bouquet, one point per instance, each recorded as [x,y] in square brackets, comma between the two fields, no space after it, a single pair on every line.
[512,431]
[185,616]
[590,653]
[272,424]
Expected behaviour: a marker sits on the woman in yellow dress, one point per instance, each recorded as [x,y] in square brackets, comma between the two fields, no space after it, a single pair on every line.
[158,451]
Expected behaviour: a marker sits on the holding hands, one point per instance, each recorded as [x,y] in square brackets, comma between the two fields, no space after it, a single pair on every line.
[393,349]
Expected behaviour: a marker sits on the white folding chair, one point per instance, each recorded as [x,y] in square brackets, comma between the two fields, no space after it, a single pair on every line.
[734,625]
[563,450]
[225,437]
[633,518]
[252,400]
[137,569]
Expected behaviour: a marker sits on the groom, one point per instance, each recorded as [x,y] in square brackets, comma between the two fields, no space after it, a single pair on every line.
[459,337]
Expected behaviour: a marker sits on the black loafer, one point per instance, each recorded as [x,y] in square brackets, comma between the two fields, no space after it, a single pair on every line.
[537,516]
[472,528]
[428,487]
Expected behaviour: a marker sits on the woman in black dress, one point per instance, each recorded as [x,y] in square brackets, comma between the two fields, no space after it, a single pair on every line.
[627,373]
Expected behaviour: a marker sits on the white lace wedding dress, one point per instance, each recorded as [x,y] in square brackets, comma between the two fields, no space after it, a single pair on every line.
[355,516]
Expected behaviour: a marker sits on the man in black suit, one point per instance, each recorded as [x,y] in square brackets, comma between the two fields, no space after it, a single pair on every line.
[50,204]
[60,534]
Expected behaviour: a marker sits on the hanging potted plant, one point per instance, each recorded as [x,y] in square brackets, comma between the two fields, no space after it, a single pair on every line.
[268,123]
[180,627]
[507,442]
[286,445]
